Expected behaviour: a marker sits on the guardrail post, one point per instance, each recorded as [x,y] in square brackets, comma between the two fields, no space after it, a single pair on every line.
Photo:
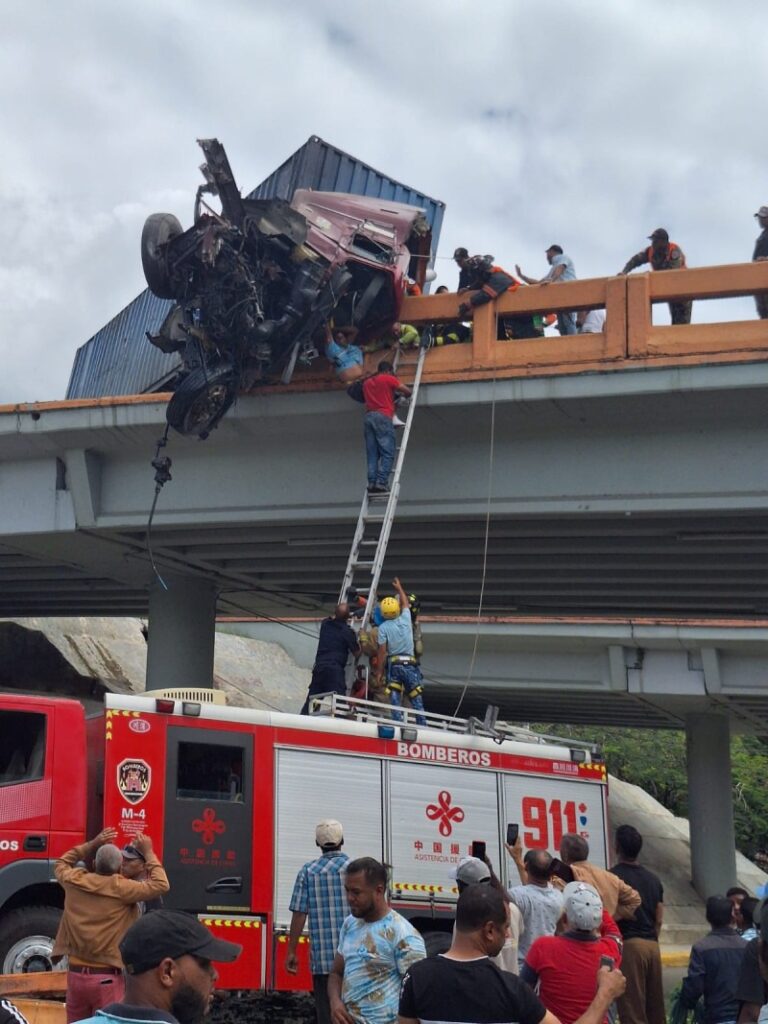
[616,317]
[639,322]
[484,335]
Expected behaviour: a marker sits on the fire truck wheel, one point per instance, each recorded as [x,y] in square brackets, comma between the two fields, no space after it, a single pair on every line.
[437,942]
[26,939]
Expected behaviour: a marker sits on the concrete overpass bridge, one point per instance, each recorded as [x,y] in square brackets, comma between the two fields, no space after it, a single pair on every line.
[617,483]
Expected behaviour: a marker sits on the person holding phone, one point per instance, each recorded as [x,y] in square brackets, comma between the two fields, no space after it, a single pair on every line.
[564,966]
[474,871]
[539,902]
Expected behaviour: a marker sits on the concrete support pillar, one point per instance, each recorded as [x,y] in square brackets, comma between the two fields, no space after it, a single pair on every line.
[182,623]
[710,803]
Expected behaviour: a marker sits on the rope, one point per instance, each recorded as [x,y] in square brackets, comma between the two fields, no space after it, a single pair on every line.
[485,550]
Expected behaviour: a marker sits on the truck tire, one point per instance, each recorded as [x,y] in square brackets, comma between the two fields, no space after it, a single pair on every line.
[202,398]
[437,942]
[26,939]
[159,229]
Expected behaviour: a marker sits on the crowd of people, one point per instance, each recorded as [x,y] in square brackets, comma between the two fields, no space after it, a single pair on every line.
[572,943]
[487,281]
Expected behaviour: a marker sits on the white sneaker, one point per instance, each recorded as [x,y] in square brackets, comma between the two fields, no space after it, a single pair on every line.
[397,422]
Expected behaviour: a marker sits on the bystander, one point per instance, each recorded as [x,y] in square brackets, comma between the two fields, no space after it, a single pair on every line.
[715,965]
[619,899]
[539,902]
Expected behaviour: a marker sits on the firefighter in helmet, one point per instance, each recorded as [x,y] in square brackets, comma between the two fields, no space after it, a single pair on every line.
[396,655]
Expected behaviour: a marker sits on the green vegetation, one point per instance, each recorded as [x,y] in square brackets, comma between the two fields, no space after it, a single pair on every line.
[655,760]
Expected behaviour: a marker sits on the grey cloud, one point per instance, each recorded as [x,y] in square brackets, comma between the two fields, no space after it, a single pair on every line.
[602,122]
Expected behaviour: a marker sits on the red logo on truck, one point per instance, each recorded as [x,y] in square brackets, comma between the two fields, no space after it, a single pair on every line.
[209,826]
[444,813]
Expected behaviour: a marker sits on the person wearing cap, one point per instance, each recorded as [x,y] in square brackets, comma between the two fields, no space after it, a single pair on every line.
[564,966]
[135,868]
[759,255]
[473,871]
[562,269]
[169,971]
[663,255]
[465,985]
[539,902]
[99,907]
[619,899]
[715,965]
[336,642]
[319,898]
[377,946]
[462,261]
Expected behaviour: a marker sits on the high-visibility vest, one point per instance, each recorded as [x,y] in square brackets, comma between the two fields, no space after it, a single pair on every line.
[668,255]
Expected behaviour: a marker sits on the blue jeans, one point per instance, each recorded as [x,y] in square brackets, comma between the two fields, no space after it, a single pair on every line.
[566,323]
[405,679]
[379,447]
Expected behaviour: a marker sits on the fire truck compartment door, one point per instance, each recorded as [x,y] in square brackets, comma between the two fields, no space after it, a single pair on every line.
[547,808]
[436,813]
[208,821]
[311,786]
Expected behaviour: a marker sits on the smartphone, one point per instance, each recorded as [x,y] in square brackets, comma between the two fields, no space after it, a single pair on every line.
[478,849]
[561,871]
[512,833]
[607,961]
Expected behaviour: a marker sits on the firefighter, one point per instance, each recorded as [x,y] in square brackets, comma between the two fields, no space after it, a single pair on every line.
[336,642]
[396,655]
[418,641]
[663,255]
[491,282]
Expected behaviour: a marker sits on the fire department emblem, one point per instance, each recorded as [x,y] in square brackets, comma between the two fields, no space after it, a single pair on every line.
[133,779]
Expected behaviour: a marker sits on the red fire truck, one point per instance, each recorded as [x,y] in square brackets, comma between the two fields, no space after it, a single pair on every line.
[231,796]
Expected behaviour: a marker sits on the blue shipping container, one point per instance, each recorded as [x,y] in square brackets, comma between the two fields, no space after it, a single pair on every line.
[118,359]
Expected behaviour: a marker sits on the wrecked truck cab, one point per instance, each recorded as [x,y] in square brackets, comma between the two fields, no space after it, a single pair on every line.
[255,284]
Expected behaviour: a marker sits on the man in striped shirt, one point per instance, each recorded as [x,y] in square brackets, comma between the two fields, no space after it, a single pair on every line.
[318,895]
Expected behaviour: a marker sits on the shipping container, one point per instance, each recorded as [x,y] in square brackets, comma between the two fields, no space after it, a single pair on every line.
[118,359]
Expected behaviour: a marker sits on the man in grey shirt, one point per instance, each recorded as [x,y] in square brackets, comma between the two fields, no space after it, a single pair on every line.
[540,903]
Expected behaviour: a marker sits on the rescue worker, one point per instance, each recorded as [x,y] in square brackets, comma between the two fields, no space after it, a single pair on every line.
[418,641]
[491,282]
[663,255]
[562,269]
[760,255]
[379,392]
[461,259]
[336,642]
[396,655]
[454,333]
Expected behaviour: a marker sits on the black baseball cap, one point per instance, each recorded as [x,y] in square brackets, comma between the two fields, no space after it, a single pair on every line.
[131,853]
[660,233]
[172,933]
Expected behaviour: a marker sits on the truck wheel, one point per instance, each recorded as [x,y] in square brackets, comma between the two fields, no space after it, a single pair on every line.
[437,942]
[159,229]
[26,939]
[202,398]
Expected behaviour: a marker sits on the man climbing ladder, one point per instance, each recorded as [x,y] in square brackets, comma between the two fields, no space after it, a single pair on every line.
[396,658]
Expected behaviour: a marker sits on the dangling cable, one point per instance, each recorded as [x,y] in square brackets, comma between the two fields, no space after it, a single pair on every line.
[162,467]
[485,549]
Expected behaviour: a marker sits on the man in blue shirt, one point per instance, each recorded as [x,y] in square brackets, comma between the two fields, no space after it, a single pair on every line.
[396,654]
[319,895]
[341,350]
[562,270]
[715,965]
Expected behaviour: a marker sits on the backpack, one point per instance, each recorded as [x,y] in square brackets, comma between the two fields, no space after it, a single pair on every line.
[355,390]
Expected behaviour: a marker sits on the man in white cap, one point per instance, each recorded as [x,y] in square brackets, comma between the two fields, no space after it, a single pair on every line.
[473,871]
[759,256]
[318,895]
[565,966]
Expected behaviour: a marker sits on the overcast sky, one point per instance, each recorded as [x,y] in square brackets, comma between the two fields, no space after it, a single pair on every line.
[587,123]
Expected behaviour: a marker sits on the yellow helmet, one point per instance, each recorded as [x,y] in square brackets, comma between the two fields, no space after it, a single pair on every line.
[390,607]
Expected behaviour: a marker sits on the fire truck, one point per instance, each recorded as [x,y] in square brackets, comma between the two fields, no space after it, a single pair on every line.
[231,796]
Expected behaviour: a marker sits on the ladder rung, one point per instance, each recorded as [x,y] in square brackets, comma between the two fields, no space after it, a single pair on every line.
[363,565]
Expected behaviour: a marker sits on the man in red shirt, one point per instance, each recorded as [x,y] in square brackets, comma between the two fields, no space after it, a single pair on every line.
[379,393]
[566,965]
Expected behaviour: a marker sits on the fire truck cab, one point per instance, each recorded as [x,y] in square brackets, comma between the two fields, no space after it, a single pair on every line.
[231,796]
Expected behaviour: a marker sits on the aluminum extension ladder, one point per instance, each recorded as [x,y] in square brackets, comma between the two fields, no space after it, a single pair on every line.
[377,511]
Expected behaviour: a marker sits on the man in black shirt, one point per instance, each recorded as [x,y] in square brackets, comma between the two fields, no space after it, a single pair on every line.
[643,1002]
[463,984]
[758,256]
[337,641]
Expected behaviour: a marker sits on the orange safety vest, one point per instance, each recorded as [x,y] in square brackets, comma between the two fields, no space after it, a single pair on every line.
[490,290]
[668,257]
